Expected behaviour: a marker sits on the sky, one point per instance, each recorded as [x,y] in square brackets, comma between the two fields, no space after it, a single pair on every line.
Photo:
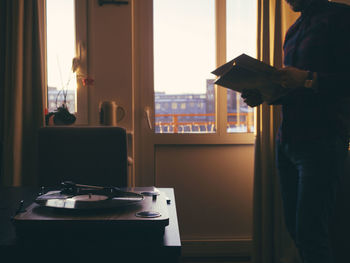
[60,41]
[184,41]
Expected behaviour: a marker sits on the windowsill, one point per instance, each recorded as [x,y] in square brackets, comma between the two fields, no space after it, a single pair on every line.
[213,139]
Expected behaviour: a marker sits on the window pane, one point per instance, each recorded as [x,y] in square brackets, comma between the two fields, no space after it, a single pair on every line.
[60,52]
[184,56]
[241,38]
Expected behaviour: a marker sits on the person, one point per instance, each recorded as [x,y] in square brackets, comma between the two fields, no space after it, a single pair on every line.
[312,141]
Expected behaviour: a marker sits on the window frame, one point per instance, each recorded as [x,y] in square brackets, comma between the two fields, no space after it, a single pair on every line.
[81,47]
[221,136]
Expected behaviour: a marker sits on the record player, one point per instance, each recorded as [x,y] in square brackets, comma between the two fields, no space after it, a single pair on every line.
[77,213]
[73,196]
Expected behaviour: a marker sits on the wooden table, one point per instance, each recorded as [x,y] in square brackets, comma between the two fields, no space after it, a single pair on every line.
[168,251]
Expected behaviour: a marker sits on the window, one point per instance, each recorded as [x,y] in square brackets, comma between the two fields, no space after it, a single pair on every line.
[185,52]
[66,39]
[62,84]
[184,43]
[241,24]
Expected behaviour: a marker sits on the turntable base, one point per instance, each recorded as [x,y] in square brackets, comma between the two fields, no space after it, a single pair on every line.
[89,245]
[128,223]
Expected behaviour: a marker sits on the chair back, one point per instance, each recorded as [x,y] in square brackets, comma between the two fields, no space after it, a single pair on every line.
[85,155]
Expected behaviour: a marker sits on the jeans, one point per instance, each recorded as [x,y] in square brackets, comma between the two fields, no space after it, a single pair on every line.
[309,173]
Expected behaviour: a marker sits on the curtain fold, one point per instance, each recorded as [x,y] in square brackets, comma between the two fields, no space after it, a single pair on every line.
[271,243]
[23,85]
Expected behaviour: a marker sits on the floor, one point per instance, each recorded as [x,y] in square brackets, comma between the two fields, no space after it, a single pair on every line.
[214,260]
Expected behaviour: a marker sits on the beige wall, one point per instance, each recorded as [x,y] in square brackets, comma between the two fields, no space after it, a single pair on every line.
[213,184]
[109,47]
[213,189]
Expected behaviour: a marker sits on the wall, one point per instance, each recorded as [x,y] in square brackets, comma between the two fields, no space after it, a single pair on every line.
[214,190]
[109,45]
[213,187]
[213,184]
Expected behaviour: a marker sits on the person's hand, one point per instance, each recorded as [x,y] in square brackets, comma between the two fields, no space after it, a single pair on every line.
[292,78]
[251,97]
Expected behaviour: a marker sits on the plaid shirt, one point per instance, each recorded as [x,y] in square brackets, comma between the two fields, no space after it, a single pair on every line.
[319,41]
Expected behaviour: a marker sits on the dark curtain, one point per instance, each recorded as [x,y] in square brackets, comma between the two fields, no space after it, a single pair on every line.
[271,242]
[22,83]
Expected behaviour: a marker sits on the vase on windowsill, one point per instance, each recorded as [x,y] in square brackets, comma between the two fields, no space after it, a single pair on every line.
[61,116]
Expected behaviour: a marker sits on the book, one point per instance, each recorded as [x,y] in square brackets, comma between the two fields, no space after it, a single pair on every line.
[245,72]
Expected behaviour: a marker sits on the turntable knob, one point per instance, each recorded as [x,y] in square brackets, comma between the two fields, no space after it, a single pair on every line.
[148,214]
[42,190]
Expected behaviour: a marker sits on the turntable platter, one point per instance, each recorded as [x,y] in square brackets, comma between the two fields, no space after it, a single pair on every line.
[89,198]
[87,201]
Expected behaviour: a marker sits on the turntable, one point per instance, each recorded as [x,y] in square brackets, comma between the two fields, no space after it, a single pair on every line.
[87,197]
[94,214]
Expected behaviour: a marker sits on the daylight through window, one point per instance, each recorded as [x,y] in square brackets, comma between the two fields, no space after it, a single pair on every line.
[184,56]
[62,86]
